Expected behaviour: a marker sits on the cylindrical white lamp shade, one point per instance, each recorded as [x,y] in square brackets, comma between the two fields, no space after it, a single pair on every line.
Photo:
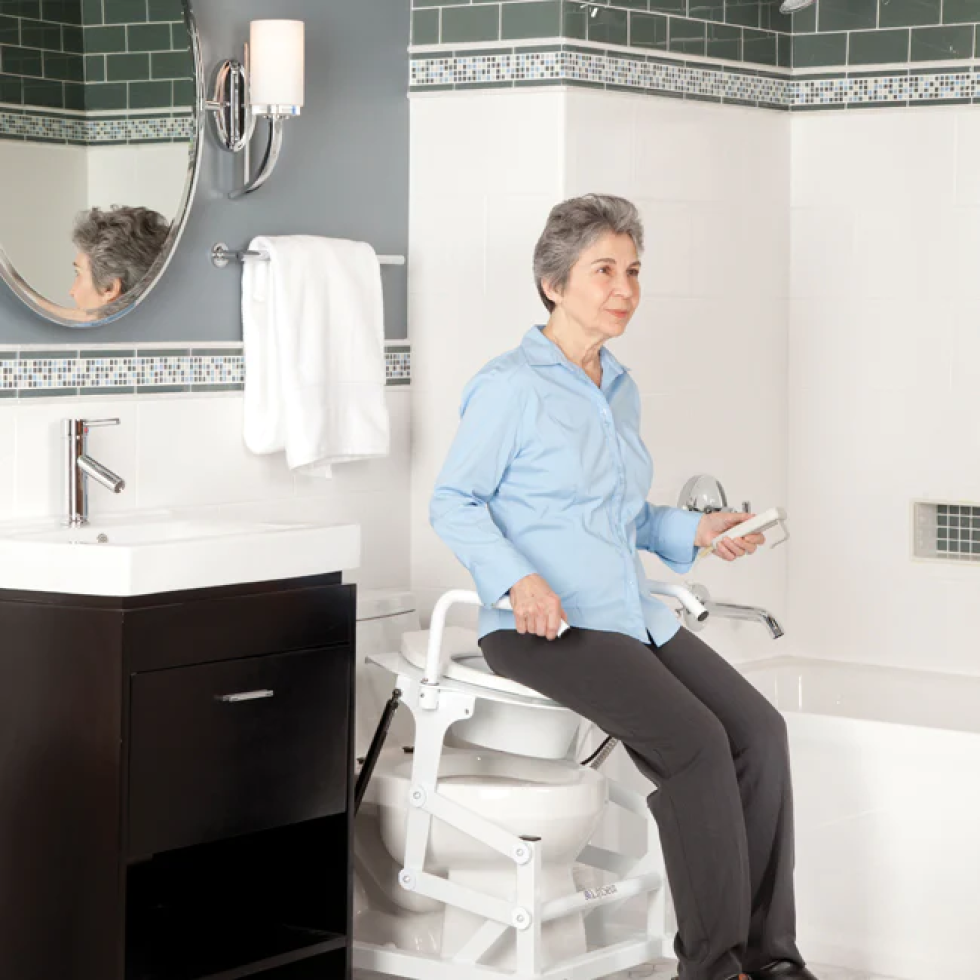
[276,62]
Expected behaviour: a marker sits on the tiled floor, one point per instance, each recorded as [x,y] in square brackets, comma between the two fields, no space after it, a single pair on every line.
[664,970]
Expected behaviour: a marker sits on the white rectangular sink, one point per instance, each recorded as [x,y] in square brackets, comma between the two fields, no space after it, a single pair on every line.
[135,554]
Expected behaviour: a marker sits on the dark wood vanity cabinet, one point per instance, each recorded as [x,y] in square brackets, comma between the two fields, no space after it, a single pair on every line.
[176,784]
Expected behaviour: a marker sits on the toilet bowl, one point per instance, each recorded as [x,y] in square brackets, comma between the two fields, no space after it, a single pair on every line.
[507,763]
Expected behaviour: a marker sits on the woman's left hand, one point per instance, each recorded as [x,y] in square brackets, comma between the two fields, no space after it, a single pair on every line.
[729,549]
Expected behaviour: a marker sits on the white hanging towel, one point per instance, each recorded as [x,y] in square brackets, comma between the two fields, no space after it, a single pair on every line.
[313,327]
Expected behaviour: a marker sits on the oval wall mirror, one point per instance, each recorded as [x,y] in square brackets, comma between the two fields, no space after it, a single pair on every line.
[100,145]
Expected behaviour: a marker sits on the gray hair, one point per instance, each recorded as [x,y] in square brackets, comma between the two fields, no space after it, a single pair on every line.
[572,227]
[121,243]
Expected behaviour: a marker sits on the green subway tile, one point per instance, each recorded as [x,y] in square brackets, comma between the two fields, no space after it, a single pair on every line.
[961,11]
[805,20]
[35,34]
[686,36]
[44,93]
[609,26]
[75,96]
[648,31]
[669,6]
[531,18]
[21,61]
[878,47]
[743,12]
[105,40]
[164,10]
[11,89]
[91,12]
[64,67]
[909,13]
[72,39]
[9,30]
[184,92]
[425,27]
[438,3]
[724,41]
[633,4]
[107,95]
[23,8]
[942,43]
[95,68]
[759,47]
[784,52]
[148,37]
[150,95]
[707,10]
[848,15]
[127,67]
[124,12]
[470,24]
[814,50]
[773,20]
[574,20]
[171,64]
[62,11]
[178,37]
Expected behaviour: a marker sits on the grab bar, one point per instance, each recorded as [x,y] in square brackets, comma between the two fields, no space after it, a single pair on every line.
[428,696]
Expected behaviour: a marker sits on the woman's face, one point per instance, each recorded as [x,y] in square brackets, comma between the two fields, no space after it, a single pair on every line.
[603,288]
[84,292]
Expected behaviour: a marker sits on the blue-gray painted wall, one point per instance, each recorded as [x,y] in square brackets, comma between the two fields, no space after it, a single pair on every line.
[343,173]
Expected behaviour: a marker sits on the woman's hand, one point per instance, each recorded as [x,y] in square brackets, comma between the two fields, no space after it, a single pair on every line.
[729,549]
[536,608]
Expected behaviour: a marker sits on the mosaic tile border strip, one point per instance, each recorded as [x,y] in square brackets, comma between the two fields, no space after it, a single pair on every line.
[62,372]
[657,76]
[152,127]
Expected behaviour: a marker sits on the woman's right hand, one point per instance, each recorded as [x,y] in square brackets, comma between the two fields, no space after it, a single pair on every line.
[536,608]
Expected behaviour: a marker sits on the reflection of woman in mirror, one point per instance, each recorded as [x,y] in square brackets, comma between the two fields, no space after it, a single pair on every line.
[115,249]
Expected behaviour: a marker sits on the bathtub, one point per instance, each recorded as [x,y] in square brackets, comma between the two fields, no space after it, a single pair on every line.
[886,778]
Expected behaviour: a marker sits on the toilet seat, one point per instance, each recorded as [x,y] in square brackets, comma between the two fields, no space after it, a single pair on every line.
[463,661]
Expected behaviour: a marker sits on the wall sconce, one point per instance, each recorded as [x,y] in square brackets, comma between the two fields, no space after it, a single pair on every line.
[269,84]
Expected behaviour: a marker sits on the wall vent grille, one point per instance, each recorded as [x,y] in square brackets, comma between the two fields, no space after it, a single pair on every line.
[947,532]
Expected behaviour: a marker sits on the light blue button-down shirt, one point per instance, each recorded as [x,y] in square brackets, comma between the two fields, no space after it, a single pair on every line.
[548,474]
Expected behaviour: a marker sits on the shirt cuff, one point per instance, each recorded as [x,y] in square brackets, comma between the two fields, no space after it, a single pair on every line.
[494,581]
[676,544]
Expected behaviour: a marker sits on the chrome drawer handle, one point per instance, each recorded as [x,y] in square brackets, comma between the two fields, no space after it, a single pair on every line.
[245,695]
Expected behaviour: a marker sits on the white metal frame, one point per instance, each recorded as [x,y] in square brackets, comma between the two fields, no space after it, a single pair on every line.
[436,706]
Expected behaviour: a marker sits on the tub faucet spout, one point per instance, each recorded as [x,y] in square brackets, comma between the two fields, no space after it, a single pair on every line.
[732,610]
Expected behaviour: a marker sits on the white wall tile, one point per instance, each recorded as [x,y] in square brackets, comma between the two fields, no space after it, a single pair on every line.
[213,467]
[8,458]
[882,391]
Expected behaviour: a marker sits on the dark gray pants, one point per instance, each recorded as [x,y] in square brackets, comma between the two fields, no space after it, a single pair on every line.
[718,753]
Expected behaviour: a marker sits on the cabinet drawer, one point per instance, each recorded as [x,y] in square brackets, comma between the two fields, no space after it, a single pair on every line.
[283,619]
[233,747]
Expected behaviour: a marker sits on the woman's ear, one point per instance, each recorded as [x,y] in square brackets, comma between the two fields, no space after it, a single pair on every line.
[113,292]
[549,290]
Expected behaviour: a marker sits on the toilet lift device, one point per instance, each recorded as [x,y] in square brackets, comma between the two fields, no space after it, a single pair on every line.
[438,704]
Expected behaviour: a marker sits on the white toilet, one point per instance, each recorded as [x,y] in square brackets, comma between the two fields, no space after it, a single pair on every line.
[508,762]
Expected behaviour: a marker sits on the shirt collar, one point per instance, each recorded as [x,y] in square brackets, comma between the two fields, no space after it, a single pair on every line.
[539,350]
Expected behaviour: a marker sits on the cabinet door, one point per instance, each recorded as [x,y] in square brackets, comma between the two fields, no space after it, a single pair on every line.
[229,748]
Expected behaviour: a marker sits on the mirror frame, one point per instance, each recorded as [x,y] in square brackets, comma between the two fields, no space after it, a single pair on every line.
[144,287]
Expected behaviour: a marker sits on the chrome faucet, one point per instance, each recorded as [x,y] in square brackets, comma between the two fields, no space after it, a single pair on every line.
[731,610]
[79,465]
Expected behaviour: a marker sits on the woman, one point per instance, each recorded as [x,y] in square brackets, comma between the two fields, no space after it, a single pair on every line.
[543,498]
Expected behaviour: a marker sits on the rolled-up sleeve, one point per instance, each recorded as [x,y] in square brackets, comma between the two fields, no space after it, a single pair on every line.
[669,533]
[486,442]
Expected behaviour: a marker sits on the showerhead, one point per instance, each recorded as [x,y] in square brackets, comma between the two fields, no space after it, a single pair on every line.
[791,6]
